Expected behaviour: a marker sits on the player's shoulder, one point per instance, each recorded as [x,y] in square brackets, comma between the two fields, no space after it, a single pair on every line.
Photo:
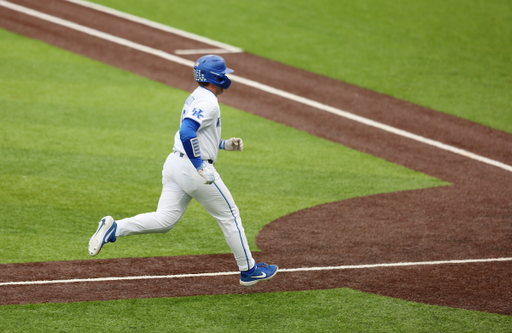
[202,97]
[205,94]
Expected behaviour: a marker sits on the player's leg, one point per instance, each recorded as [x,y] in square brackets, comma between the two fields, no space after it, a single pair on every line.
[171,207]
[217,200]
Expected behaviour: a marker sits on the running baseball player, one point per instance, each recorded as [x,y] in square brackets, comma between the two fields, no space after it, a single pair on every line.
[189,172]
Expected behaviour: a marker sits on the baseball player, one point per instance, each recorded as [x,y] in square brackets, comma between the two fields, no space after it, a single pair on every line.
[189,172]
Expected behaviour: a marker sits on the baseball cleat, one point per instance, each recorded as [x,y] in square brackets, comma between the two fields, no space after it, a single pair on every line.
[260,272]
[106,233]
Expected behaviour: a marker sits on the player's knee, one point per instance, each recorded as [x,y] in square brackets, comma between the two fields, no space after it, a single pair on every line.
[168,220]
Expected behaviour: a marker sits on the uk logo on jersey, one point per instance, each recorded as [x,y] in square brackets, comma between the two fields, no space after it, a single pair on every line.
[218,122]
[197,113]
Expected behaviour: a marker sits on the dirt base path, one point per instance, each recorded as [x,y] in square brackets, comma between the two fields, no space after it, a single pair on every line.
[468,220]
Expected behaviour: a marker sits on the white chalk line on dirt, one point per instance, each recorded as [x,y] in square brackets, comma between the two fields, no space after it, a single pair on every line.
[251,83]
[282,270]
[224,48]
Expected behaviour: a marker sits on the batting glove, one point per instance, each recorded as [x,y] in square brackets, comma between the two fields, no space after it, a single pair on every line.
[208,174]
[234,144]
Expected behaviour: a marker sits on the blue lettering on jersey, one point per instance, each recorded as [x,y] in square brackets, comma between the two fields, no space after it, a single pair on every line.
[218,122]
[197,113]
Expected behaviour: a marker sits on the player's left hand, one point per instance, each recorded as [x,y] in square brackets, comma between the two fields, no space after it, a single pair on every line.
[234,144]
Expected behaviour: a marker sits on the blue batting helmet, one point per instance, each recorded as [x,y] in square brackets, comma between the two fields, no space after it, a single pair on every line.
[212,68]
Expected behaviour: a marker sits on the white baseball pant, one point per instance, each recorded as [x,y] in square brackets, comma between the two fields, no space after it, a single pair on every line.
[181,183]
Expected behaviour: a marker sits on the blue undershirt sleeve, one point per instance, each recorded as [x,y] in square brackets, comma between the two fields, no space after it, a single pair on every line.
[188,135]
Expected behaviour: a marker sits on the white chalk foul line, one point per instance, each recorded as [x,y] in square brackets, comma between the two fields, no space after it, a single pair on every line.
[202,51]
[282,270]
[96,33]
[398,264]
[225,47]
[253,84]
[121,278]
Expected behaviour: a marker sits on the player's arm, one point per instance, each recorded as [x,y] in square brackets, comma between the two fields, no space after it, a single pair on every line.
[233,144]
[188,136]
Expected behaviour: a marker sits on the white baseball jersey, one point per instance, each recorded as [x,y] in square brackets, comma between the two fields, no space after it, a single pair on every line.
[202,106]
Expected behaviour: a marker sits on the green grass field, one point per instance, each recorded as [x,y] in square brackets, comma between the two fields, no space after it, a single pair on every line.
[79,140]
[336,310]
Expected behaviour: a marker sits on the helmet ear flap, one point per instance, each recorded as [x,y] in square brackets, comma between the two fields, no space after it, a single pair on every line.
[226,82]
[222,81]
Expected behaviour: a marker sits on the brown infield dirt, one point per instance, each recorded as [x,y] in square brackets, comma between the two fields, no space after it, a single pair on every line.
[470,219]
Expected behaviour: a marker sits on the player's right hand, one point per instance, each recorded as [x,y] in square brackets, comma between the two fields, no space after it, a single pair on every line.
[208,174]
[234,144]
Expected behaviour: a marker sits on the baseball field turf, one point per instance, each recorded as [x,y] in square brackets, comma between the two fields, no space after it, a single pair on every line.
[80,140]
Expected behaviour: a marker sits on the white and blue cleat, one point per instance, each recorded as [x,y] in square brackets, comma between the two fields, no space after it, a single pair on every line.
[106,233]
[260,272]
